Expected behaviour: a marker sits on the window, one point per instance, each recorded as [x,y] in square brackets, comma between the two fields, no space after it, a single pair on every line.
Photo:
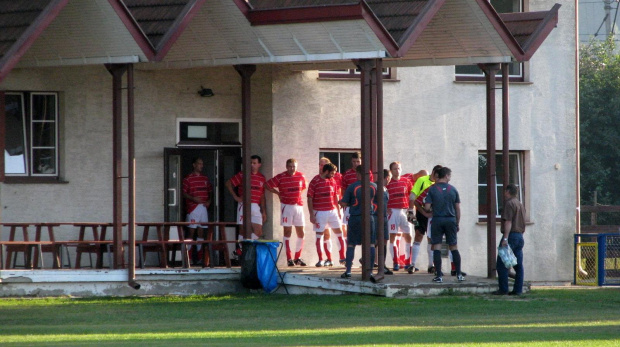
[516,162]
[388,73]
[515,70]
[340,158]
[31,128]
[201,132]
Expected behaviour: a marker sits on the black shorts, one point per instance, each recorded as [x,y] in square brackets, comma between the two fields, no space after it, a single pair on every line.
[443,226]
[354,230]
[422,222]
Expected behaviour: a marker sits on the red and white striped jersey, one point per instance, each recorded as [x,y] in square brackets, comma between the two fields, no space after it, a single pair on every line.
[257,185]
[350,177]
[323,193]
[290,187]
[198,186]
[399,192]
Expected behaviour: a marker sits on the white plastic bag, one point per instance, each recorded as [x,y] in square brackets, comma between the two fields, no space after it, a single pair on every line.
[508,257]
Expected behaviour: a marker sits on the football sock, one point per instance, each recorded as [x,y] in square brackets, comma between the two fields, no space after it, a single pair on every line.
[287,247]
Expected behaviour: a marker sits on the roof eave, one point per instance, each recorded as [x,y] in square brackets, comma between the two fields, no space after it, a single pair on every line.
[542,32]
[190,10]
[134,29]
[417,27]
[29,36]
[502,30]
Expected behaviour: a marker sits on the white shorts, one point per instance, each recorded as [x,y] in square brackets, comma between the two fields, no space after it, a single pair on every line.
[428,227]
[198,215]
[345,216]
[292,215]
[326,219]
[257,217]
[397,221]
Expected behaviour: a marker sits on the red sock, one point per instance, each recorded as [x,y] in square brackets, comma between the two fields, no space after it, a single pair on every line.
[318,248]
[288,248]
[299,246]
[342,246]
[453,266]
[328,253]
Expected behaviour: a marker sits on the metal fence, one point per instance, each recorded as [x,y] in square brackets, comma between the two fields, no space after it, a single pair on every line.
[597,259]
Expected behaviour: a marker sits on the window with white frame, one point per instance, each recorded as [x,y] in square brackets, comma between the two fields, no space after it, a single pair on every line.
[388,73]
[516,177]
[515,70]
[31,128]
[339,157]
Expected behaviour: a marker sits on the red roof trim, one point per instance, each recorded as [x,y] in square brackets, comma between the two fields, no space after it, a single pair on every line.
[418,25]
[134,29]
[188,13]
[382,33]
[501,29]
[244,7]
[305,14]
[25,41]
[542,32]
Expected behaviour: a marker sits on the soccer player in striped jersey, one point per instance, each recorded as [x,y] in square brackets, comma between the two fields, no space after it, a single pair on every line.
[259,210]
[399,202]
[340,236]
[197,192]
[288,186]
[323,207]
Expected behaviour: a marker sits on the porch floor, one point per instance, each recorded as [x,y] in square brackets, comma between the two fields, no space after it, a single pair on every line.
[217,281]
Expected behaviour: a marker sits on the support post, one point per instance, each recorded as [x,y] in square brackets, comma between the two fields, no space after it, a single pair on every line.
[117,71]
[131,165]
[246,71]
[366,66]
[379,170]
[505,125]
[490,70]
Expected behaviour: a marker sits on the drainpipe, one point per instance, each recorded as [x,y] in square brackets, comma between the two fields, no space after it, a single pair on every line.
[131,164]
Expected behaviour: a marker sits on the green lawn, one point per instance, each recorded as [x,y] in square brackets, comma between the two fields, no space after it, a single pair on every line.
[557,317]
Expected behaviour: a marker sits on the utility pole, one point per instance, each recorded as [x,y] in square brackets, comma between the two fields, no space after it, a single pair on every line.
[607,17]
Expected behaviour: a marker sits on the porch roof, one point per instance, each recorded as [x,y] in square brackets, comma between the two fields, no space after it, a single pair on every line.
[185,33]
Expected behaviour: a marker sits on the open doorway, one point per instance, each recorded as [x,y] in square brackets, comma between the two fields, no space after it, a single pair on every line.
[220,164]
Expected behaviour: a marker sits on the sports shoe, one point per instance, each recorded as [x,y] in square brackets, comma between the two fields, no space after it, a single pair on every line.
[328,263]
[514,293]
[453,273]
[460,278]
[431,270]
[342,261]
[411,269]
[290,262]
[438,279]
[396,267]
[387,271]
[319,264]
[345,275]
[300,262]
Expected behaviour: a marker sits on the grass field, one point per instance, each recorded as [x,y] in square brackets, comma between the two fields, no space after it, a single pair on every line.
[557,317]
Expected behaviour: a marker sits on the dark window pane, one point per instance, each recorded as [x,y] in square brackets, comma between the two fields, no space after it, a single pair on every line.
[43,107]
[506,6]
[482,168]
[483,206]
[43,134]
[15,144]
[345,162]
[43,161]
[230,132]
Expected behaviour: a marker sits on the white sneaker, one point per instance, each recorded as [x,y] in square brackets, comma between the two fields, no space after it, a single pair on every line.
[460,278]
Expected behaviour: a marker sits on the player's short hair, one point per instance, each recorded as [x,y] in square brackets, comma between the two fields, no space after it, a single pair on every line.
[329,167]
[195,160]
[257,157]
[394,163]
[443,172]
[325,159]
[356,155]
[511,189]
[291,161]
[387,173]
[436,168]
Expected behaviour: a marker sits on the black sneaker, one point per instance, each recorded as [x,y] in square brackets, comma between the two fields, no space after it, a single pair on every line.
[342,261]
[431,270]
[328,263]
[345,275]
[411,269]
[387,271]
[396,267]
[290,262]
[453,273]
[300,262]
[438,279]
[319,264]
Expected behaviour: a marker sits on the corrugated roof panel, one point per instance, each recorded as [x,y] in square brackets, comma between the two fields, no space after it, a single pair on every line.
[15,18]
[155,17]
[83,29]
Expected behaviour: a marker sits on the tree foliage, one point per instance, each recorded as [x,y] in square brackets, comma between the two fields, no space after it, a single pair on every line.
[599,108]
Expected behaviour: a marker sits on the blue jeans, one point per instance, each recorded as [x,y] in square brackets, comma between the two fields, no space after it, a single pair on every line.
[515,241]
